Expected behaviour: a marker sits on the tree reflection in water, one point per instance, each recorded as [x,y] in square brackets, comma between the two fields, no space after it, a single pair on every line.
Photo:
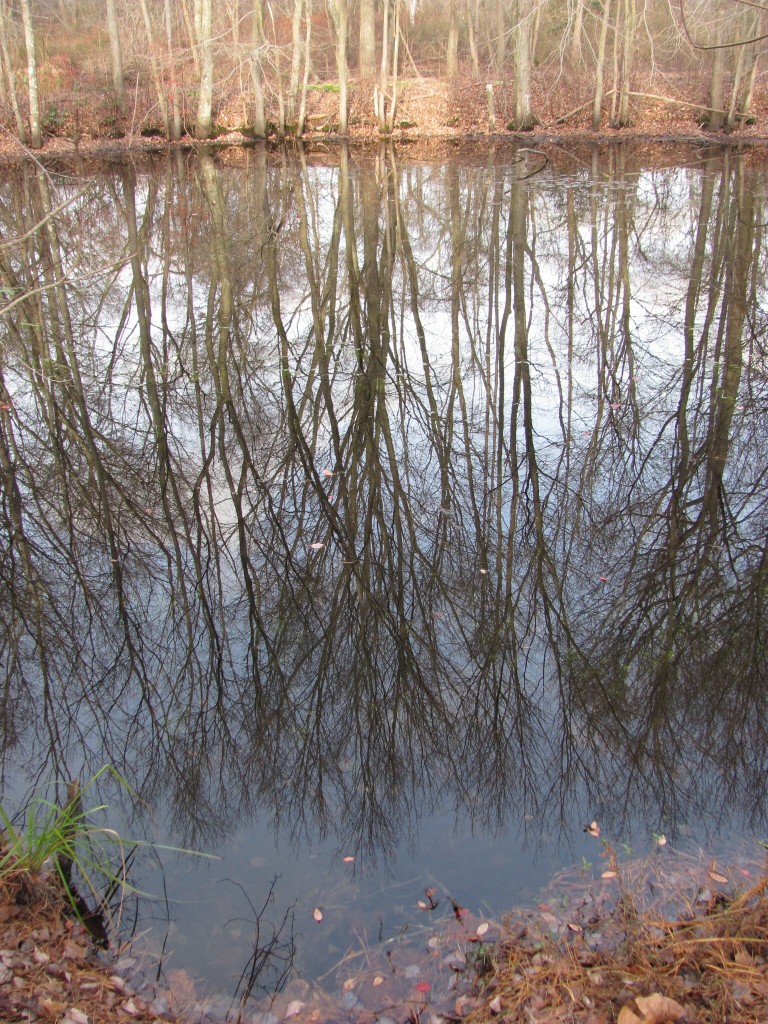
[341,494]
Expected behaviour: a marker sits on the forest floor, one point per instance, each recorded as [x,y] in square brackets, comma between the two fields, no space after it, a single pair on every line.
[671,936]
[79,120]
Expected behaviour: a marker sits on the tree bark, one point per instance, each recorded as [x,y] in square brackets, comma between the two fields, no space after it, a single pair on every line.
[367,58]
[452,52]
[525,119]
[204,120]
[340,18]
[258,45]
[118,83]
[174,121]
[597,106]
[35,132]
[21,128]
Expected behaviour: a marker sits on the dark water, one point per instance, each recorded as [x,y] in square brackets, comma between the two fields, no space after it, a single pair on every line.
[355,506]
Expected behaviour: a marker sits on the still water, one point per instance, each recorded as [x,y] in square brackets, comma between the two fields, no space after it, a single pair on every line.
[382,522]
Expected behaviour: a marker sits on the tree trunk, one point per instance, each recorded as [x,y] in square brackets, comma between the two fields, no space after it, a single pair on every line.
[501,36]
[367,59]
[21,128]
[597,106]
[296,50]
[118,83]
[204,121]
[577,32]
[35,133]
[524,119]
[153,72]
[302,116]
[258,46]
[174,121]
[339,16]
[452,53]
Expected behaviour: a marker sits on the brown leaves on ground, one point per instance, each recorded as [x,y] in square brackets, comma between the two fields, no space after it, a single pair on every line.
[629,964]
[47,972]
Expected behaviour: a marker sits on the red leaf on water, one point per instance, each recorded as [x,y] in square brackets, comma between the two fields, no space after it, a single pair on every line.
[423,986]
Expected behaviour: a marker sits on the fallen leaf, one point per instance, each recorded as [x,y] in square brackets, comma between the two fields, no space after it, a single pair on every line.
[75,1016]
[348,860]
[717,877]
[317,546]
[574,927]
[483,928]
[603,579]
[295,1006]
[378,980]
[662,840]
[609,874]
[50,1009]
[495,1005]
[422,905]
[317,914]
[593,828]
[348,985]
[658,1009]
[615,405]
[327,472]
[423,986]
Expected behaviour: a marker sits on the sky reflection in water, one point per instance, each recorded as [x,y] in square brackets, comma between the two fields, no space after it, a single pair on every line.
[414,513]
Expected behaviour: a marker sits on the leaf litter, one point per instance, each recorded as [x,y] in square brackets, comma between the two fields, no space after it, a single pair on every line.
[672,936]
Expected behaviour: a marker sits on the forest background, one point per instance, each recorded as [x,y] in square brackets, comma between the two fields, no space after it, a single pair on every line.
[116,69]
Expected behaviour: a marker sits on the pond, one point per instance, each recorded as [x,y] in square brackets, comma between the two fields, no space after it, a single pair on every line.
[382,523]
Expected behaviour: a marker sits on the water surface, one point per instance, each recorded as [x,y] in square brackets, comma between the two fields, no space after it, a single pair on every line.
[358,507]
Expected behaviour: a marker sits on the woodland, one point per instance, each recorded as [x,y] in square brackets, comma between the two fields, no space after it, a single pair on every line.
[116,69]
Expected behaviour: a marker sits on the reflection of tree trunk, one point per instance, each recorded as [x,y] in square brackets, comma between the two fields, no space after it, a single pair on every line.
[735,304]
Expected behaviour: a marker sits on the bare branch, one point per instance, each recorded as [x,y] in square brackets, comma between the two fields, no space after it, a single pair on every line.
[722,46]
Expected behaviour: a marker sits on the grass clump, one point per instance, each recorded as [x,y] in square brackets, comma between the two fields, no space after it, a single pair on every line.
[64,843]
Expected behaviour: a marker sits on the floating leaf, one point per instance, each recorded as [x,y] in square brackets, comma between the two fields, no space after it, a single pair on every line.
[495,1005]
[348,860]
[615,405]
[603,579]
[378,980]
[422,905]
[483,572]
[717,877]
[483,928]
[661,840]
[423,986]
[593,829]
[327,472]
[574,927]
[317,546]
[317,914]
[348,985]
[609,874]
[295,1006]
